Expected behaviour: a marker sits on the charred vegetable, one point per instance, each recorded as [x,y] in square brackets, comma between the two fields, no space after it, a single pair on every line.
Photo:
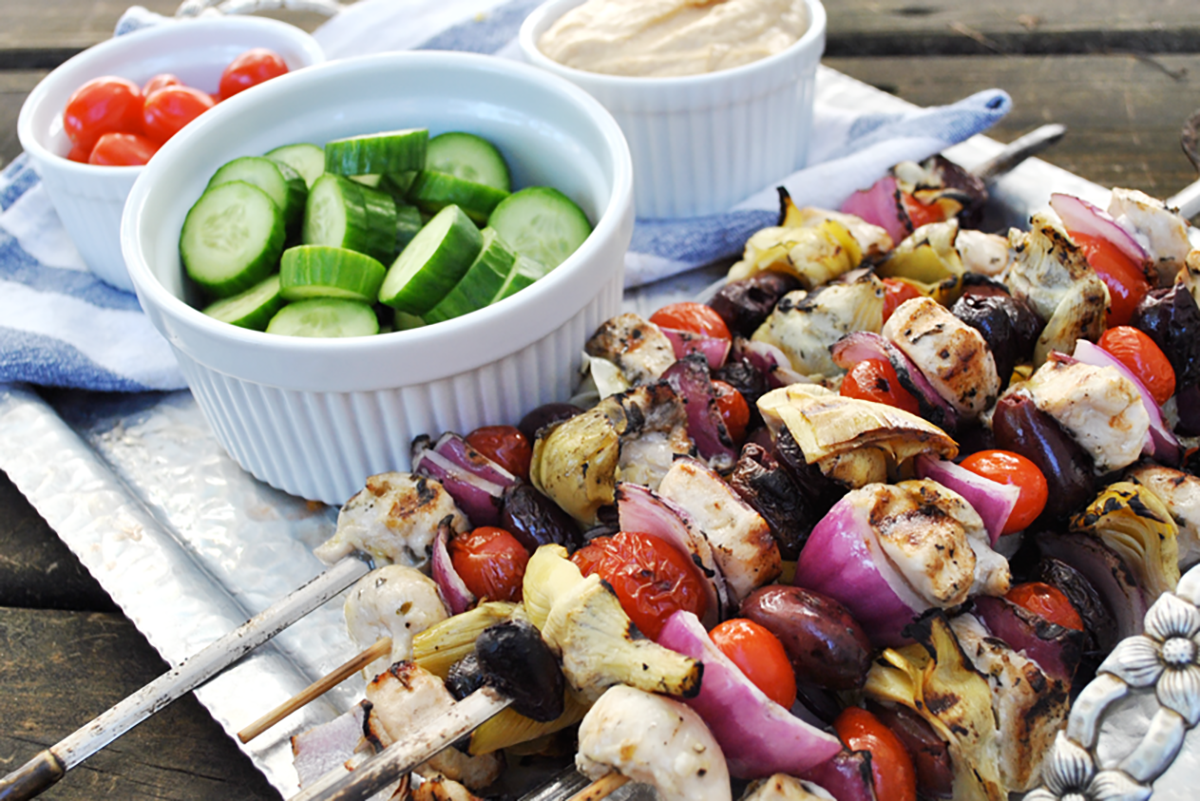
[1019,426]
[791,508]
[515,660]
[535,520]
[744,305]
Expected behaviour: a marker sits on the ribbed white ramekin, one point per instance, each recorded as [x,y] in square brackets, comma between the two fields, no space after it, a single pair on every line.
[316,417]
[702,143]
[89,198]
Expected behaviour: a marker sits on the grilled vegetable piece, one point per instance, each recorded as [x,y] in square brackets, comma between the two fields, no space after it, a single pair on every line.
[441,646]
[746,304]
[518,663]
[392,601]
[929,260]
[1136,524]
[1181,493]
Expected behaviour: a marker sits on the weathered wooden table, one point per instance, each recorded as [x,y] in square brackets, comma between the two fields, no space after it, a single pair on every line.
[1122,75]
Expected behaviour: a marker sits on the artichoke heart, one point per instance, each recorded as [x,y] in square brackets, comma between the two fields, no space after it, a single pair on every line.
[509,727]
[929,260]
[1081,314]
[867,240]
[438,647]
[813,255]
[855,441]
[1136,524]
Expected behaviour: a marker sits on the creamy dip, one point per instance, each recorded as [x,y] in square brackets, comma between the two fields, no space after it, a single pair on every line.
[661,38]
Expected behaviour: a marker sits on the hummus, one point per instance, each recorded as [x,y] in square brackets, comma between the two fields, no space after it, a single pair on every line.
[662,38]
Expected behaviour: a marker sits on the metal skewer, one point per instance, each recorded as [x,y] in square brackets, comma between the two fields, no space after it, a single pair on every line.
[1021,148]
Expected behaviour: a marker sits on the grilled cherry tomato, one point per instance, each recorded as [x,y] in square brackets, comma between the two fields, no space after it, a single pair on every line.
[1048,601]
[895,292]
[1144,359]
[892,770]
[122,150]
[649,576]
[1006,467]
[919,213]
[694,317]
[250,69]
[159,81]
[1126,282]
[171,108]
[734,410]
[100,106]
[876,380]
[490,562]
[504,445]
[760,655]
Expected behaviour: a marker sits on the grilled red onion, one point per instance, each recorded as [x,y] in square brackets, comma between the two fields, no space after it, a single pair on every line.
[880,205]
[454,591]
[1056,649]
[714,349]
[1079,216]
[992,500]
[475,482]
[689,378]
[769,360]
[861,345]
[757,735]
[847,776]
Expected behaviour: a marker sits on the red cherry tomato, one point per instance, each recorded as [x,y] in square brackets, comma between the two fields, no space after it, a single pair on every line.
[694,317]
[250,69]
[1006,467]
[1047,601]
[122,150]
[1126,282]
[650,577]
[491,562]
[876,380]
[734,410]
[159,81]
[920,214]
[100,106]
[895,292]
[79,153]
[1144,359]
[892,770]
[760,655]
[504,445]
[171,108]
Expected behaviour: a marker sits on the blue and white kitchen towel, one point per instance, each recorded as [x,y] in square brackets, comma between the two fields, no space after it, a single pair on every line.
[60,326]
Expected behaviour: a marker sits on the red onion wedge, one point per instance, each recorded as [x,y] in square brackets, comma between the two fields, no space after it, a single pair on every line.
[847,777]
[690,379]
[768,360]
[479,497]
[757,735]
[861,345]
[992,500]
[714,349]
[1079,216]
[454,591]
[880,205]
[1056,649]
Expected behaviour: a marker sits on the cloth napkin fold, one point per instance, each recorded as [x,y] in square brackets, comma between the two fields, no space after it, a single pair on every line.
[61,326]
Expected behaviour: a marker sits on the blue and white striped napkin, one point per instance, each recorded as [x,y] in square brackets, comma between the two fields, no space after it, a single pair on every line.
[60,326]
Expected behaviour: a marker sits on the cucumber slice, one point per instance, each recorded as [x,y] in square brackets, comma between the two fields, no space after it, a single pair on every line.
[368,180]
[434,261]
[390,151]
[432,191]
[524,272]
[469,157]
[303,157]
[381,224]
[481,282]
[397,184]
[408,222]
[231,238]
[319,271]
[282,183]
[542,224]
[406,322]
[252,309]
[339,214]
[325,317]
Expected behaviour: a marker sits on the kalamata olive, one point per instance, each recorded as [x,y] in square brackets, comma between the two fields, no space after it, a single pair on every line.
[748,380]
[546,415]
[985,314]
[1019,426]
[745,305]
[1171,318]
[819,490]
[465,677]
[826,645]
[517,662]
[535,520]
[929,752]
[759,480]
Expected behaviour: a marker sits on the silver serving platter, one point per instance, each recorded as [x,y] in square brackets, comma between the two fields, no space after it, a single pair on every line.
[190,546]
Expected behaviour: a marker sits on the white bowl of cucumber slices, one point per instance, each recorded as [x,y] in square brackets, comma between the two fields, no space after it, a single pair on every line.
[418,301]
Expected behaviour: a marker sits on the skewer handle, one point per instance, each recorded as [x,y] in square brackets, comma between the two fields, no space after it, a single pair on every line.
[32,778]
[1019,149]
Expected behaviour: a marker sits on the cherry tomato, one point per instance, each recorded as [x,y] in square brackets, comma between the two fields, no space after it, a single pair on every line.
[919,213]
[1047,601]
[100,106]
[895,292]
[504,445]
[250,69]
[876,380]
[760,655]
[79,153]
[892,770]
[694,317]
[1006,467]
[122,150]
[1126,282]
[171,108]
[650,577]
[490,562]
[734,410]
[159,81]
[1144,359]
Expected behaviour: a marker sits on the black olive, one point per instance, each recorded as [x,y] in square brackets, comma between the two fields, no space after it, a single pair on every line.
[519,664]
[1019,426]
[745,305]
[535,520]
[465,677]
[749,381]
[1171,318]
[985,313]
[544,416]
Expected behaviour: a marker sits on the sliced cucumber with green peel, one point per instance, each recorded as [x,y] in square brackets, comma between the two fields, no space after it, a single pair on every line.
[337,215]
[408,223]
[252,309]
[325,317]
[479,284]
[319,271]
[368,180]
[433,191]
[469,157]
[282,183]
[370,154]
[381,224]
[542,224]
[231,238]
[406,322]
[524,272]
[434,261]
[397,184]
[303,157]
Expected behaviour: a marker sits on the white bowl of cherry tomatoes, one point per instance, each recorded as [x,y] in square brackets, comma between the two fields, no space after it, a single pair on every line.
[91,124]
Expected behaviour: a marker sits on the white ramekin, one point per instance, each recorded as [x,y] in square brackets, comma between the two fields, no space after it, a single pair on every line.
[89,198]
[317,417]
[702,143]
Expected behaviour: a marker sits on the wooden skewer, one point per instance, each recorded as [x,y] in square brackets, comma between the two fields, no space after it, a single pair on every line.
[381,648]
[601,788]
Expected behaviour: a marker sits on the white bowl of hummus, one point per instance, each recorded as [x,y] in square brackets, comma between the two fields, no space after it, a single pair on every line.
[714,98]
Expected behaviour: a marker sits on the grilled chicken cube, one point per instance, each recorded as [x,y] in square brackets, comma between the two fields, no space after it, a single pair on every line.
[392,601]
[637,347]
[1181,493]
[1159,230]
[782,787]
